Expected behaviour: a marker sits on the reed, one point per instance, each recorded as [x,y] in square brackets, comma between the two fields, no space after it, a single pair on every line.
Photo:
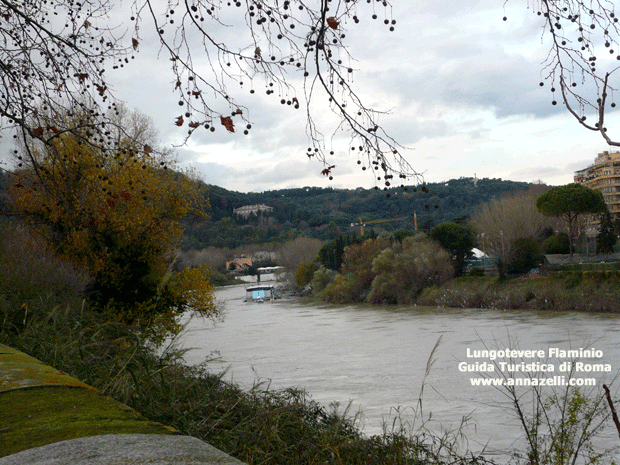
[258,426]
[50,320]
[587,291]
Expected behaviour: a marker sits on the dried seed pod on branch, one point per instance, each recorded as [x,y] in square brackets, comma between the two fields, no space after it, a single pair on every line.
[583,61]
[57,56]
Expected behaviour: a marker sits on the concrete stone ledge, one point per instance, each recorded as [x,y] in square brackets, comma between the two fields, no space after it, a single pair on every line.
[124,449]
[49,418]
[19,371]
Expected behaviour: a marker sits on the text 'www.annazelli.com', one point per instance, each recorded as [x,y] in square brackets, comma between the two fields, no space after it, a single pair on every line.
[551,381]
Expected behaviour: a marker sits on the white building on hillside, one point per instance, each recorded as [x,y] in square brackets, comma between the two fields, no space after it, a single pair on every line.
[247,210]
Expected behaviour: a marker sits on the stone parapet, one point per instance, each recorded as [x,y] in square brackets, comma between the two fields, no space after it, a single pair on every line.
[48,417]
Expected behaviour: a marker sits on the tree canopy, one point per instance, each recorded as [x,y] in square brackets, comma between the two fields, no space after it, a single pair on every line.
[457,239]
[568,202]
[117,217]
[606,237]
[500,222]
[402,272]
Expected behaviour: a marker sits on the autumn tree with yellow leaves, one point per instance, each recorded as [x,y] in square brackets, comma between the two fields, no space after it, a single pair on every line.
[116,215]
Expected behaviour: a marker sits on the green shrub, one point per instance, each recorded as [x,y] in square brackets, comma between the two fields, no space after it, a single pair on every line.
[357,266]
[458,240]
[525,255]
[305,273]
[557,244]
[321,278]
[339,291]
[217,278]
[402,273]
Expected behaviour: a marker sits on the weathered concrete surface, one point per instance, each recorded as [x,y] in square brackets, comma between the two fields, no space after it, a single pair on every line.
[47,418]
[18,370]
[40,405]
[124,449]
[43,415]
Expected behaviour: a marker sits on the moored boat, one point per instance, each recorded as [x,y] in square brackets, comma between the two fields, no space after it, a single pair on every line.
[260,293]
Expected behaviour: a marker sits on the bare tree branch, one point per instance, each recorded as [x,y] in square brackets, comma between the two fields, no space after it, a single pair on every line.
[55,55]
[583,58]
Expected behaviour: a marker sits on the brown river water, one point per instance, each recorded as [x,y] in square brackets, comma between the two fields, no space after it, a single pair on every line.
[374,358]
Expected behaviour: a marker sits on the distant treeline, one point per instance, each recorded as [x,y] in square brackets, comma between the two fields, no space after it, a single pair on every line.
[327,213]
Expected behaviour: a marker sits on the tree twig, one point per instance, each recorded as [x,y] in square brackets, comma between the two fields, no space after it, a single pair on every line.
[614,415]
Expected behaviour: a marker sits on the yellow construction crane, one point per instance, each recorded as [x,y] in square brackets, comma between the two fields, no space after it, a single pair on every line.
[361,223]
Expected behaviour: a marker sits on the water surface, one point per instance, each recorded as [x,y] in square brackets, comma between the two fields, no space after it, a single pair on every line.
[375,357]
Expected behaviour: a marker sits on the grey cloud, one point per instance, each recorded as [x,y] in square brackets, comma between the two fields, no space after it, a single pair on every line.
[264,173]
[216,173]
[537,172]
[487,80]
[447,59]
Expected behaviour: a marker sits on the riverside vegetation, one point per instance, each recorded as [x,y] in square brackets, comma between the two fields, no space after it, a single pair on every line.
[418,271]
[43,313]
[49,319]
[589,290]
[59,302]
[409,267]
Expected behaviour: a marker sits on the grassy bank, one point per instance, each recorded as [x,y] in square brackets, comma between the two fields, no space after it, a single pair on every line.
[259,426]
[42,313]
[589,291]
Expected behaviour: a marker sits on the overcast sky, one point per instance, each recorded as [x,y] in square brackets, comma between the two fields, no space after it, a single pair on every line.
[461,85]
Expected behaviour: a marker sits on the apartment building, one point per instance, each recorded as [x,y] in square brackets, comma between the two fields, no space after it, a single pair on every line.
[604,175]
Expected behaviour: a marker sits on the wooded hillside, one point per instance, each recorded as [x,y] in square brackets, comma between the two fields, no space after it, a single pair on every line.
[326,213]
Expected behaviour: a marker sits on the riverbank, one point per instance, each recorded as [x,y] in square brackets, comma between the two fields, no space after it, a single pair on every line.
[43,314]
[587,291]
[259,425]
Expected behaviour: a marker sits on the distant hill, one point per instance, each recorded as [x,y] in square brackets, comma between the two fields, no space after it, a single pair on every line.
[326,213]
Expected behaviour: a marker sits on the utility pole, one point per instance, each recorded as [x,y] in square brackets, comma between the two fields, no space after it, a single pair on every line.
[503,250]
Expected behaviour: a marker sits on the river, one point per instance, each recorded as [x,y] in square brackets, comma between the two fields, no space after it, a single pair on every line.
[375,357]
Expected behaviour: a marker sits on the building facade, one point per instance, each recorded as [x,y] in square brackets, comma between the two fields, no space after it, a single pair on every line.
[247,210]
[239,264]
[604,176]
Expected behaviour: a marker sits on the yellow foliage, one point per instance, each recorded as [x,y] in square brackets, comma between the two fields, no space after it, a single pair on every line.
[117,216]
[192,285]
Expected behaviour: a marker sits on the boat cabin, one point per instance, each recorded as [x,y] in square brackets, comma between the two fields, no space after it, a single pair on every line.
[260,293]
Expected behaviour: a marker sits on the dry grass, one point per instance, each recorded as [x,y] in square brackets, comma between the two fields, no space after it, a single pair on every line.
[43,314]
[593,292]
